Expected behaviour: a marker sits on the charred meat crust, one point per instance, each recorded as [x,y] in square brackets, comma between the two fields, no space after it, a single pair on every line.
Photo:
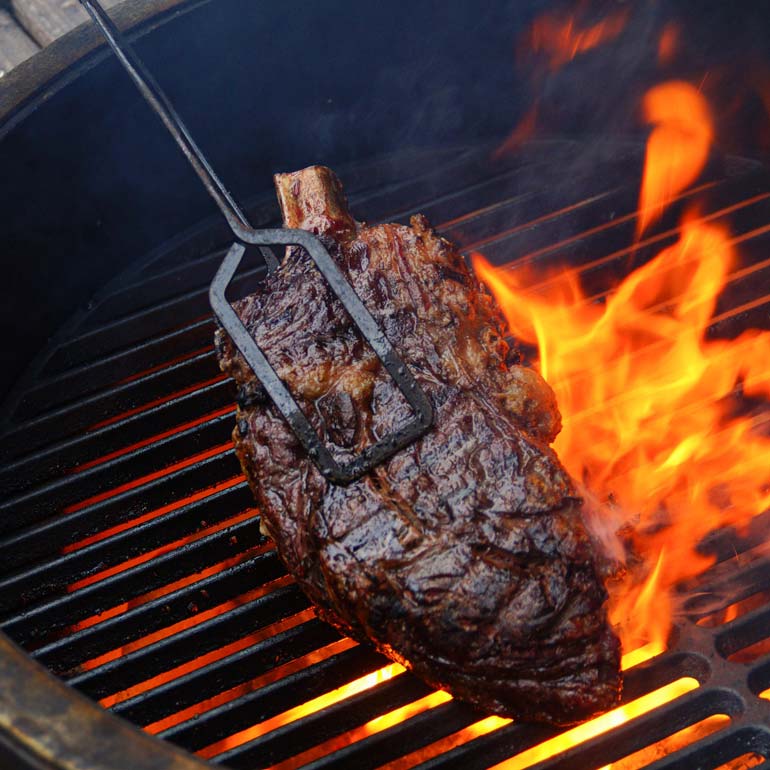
[465,556]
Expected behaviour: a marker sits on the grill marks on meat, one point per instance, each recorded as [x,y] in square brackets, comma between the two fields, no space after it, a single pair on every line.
[465,556]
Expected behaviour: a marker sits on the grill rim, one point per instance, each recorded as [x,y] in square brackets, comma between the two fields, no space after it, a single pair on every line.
[35,80]
[44,723]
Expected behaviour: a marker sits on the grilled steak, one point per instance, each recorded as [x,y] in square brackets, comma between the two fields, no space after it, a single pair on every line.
[464,557]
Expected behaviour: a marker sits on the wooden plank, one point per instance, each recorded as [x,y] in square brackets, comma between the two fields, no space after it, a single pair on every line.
[47,20]
[15,44]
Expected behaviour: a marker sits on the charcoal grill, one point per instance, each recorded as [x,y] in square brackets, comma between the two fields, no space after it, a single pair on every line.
[129,544]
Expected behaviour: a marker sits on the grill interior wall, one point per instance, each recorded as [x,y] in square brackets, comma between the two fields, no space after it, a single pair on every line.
[132,563]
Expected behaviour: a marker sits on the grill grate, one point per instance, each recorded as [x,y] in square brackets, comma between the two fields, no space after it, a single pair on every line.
[132,563]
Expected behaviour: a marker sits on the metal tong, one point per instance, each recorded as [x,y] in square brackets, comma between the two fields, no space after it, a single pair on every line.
[244,233]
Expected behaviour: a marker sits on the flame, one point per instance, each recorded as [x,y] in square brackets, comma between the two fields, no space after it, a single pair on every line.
[677,149]
[524,130]
[668,43]
[644,611]
[561,39]
[647,399]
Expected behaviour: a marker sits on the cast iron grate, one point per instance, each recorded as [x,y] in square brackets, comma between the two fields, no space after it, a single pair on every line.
[132,563]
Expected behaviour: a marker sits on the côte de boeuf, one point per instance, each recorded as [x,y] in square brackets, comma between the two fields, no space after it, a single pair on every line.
[464,557]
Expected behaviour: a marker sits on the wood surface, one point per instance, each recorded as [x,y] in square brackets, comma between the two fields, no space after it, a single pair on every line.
[46,20]
[15,44]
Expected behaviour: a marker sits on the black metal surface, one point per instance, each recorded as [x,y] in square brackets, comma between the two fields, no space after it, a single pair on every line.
[195,613]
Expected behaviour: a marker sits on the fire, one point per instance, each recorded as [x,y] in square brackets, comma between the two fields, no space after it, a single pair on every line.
[677,149]
[668,43]
[647,399]
[561,39]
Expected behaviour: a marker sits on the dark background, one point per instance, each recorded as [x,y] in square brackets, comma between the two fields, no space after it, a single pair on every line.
[90,183]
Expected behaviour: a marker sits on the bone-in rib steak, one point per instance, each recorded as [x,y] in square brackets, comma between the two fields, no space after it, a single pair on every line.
[465,556]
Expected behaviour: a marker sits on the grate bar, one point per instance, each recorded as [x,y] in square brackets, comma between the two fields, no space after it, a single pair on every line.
[275,698]
[140,327]
[47,577]
[482,752]
[87,379]
[439,197]
[743,632]
[74,418]
[405,737]
[759,676]
[330,722]
[111,474]
[47,463]
[38,623]
[579,247]
[738,584]
[598,278]
[64,655]
[166,654]
[131,504]
[715,750]
[599,248]
[646,730]
[149,291]
[229,672]
[512,739]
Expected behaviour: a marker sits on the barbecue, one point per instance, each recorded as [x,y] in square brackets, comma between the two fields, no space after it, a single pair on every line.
[133,565]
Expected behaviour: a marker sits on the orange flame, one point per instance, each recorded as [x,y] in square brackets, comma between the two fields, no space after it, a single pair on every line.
[562,40]
[668,43]
[645,397]
[677,149]
[524,130]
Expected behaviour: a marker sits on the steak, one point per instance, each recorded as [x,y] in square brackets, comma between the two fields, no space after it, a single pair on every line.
[464,557]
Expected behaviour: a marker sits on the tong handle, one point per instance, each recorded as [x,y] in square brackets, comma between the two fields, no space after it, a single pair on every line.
[365,323]
[163,108]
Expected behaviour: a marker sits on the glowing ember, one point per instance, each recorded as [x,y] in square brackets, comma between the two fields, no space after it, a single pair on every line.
[677,149]
[644,395]
[598,726]
[662,748]
[316,704]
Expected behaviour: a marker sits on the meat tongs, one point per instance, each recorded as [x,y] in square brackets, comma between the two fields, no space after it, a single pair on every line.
[228,318]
